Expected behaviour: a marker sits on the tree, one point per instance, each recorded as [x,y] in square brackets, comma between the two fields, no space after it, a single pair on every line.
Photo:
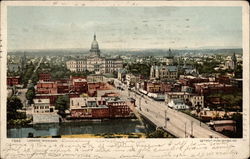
[62,104]
[159,133]
[30,94]
[13,104]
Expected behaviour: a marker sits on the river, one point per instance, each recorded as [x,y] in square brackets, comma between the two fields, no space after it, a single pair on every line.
[111,126]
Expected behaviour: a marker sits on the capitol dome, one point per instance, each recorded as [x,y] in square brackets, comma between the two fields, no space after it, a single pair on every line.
[94,45]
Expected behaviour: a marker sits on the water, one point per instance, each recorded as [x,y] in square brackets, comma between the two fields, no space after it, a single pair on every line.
[84,127]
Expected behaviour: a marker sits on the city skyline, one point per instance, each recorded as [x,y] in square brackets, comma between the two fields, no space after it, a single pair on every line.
[124,27]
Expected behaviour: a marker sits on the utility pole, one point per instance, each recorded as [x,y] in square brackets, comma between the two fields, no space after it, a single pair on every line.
[166,118]
[140,103]
[185,130]
[192,128]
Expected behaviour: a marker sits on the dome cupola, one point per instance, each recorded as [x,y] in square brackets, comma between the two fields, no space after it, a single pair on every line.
[94,45]
[95,51]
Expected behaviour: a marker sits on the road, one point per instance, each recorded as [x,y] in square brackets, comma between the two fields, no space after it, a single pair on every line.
[179,124]
[21,93]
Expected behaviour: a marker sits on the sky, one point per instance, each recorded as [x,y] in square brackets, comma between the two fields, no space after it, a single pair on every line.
[50,27]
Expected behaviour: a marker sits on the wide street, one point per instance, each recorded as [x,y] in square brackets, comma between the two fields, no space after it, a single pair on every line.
[178,123]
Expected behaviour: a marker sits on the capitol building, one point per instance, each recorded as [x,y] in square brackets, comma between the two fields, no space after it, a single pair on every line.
[94,62]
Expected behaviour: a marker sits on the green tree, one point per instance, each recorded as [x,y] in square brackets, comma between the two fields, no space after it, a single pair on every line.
[13,104]
[237,117]
[30,94]
[159,133]
[62,104]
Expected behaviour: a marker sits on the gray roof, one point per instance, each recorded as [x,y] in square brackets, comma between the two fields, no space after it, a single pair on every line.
[169,68]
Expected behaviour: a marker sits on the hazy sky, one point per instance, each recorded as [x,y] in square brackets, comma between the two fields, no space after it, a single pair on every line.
[124,27]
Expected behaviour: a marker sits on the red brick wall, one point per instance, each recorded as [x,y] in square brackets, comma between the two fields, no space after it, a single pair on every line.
[12,81]
[44,76]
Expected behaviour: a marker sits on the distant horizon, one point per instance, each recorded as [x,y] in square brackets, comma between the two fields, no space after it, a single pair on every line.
[131,49]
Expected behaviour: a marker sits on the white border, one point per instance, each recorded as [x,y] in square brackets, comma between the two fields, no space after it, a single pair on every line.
[241,145]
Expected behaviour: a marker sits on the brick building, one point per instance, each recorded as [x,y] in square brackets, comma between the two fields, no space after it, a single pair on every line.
[212,87]
[191,80]
[46,77]
[100,107]
[13,81]
[161,87]
[43,87]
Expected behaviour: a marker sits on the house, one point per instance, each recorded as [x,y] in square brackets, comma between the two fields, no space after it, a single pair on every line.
[177,104]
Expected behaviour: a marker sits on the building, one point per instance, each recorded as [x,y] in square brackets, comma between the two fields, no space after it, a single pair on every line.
[178,104]
[223,125]
[212,87]
[43,87]
[79,85]
[94,87]
[231,62]
[169,59]
[43,112]
[190,99]
[236,82]
[46,77]
[100,107]
[191,80]
[95,62]
[161,87]
[118,108]
[95,78]
[121,75]
[132,79]
[164,72]
[13,81]
[43,106]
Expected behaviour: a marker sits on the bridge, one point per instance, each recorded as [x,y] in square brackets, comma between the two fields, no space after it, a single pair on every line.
[175,122]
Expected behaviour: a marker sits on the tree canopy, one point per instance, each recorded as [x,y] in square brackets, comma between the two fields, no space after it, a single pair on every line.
[13,104]
[62,104]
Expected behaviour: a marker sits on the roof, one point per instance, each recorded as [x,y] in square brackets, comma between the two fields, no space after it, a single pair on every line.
[218,122]
[36,101]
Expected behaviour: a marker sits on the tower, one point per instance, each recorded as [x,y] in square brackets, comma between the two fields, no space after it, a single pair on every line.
[95,51]
[234,59]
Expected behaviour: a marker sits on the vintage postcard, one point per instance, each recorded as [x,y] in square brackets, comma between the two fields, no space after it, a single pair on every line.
[126,79]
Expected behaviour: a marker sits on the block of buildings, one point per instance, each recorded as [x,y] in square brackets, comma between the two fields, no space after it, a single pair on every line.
[194,100]
[95,62]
